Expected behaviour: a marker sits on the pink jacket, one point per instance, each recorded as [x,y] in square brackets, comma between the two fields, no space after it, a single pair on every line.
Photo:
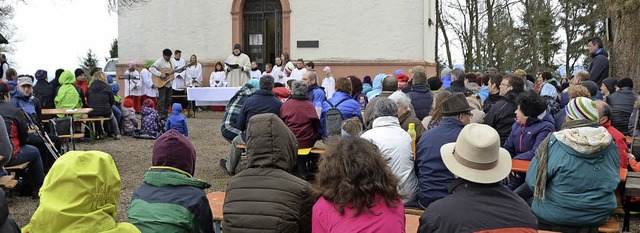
[325,218]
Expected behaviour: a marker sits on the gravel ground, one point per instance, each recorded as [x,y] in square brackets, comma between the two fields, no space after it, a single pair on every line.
[133,158]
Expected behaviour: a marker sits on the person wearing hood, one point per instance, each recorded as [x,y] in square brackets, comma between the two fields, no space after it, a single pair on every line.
[446,77]
[149,119]
[253,194]
[68,96]
[7,225]
[100,98]
[170,199]
[262,101]
[80,194]
[403,80]
[580,162]
[228,128]
[421,96]
[396,147]
[599,67]
[604,114]
[377,86]
[238,66]
[177,121]
[366,84]
[315,93]
[386,84]
[622,102]
[281,92]
[24,100]
[502,115]
[129,120]
[550,95]
[43,90]
[302,119]
[328,82]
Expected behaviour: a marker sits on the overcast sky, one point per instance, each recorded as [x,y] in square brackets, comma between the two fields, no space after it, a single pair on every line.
[55,34]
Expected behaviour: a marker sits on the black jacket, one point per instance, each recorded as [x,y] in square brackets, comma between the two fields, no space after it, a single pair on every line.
[45,92]
[100,98]
[7,225]
[458,87]
[473,207]
[266,197]
[491,99]
[502,115]
[621,102]
[421,99]
[599,67]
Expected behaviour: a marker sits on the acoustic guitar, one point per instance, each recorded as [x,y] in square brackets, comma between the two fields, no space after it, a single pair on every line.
[167,76]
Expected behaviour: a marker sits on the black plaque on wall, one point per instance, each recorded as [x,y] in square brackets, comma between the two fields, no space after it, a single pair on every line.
[308,44]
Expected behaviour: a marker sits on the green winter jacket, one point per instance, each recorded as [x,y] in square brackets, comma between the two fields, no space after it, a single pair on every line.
[68,96]
[170,200]
[80,194]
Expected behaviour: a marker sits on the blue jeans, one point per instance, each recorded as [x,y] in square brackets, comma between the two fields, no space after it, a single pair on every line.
[117,113]
[29,153]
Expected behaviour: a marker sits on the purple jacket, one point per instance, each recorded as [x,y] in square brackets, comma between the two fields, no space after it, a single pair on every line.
[524,140]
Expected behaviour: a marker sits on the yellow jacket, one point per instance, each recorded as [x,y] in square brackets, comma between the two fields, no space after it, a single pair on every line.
[80,194]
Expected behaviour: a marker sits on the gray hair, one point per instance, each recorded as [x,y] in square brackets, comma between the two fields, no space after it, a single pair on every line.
[266,82]
[385,107]
[458,74]
[299,88]
[401,99]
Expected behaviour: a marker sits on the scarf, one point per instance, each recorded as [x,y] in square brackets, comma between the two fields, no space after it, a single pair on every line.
[542,157]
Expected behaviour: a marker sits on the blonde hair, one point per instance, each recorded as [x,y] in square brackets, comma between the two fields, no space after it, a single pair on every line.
[99,76]
[576,91]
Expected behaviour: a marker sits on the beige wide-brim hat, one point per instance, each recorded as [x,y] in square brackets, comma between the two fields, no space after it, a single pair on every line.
[476,155]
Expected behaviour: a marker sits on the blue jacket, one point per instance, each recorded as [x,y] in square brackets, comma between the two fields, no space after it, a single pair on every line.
[421,99]
[483,93]
[446,81]
[262,101]
[377,86]
[433,175]
[315,94]
[348,108]
[524,140]
[580,187]
[177,121]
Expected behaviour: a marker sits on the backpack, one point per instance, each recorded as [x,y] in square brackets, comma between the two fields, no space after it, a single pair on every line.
[333,119]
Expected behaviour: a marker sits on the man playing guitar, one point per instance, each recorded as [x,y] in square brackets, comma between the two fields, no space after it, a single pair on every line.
[164,92]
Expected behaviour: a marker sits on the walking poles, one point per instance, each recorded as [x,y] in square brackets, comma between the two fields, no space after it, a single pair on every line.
[43,135]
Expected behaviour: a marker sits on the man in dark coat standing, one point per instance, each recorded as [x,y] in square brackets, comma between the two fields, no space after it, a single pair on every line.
[599,67]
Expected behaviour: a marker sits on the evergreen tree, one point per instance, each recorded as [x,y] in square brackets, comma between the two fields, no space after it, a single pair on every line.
[89,61]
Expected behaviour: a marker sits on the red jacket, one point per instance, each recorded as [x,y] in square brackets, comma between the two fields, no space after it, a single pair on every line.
[620,141]
[301,118]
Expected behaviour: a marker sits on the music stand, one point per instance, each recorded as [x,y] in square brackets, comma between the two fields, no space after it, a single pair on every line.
[129,77]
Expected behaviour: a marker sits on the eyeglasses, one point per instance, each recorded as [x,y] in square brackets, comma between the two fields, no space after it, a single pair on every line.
[506,85]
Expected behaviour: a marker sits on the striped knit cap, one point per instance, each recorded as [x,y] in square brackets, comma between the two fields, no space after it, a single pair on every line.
[582,108]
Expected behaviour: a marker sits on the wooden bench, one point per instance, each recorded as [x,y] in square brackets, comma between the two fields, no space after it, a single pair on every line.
[412,211]
[21,166]
[610,227]
[411,223]
[216,202]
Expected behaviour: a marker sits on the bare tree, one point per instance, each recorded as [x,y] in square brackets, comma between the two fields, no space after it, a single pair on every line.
[118,6]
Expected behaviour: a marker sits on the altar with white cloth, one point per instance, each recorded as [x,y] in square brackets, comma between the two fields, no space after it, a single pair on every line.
[211,96]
